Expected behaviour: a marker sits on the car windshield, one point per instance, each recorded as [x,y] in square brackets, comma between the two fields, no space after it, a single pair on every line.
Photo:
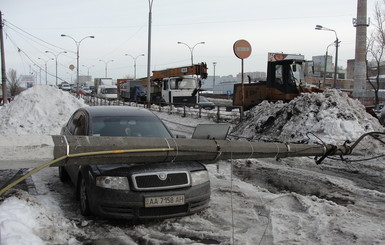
[110,90]
[185,83]
[129,126]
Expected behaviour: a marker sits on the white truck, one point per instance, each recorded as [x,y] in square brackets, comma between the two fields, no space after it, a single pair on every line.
[105,88]
[178,85]
[109,92]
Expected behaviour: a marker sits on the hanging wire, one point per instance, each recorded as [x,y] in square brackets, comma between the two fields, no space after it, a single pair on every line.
[33,37]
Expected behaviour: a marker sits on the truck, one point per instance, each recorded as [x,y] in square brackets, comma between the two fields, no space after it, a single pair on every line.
[101,81]
[131,90]
[104,88]
[176,86]
[108,92]
[285,81]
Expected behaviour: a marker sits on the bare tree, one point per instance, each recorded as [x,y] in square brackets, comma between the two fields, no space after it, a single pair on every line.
[376,47]
[13,82]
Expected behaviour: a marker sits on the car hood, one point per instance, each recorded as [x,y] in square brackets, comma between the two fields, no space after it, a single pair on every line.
[128,169]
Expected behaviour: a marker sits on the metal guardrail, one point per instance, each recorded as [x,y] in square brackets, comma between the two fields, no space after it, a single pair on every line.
[218,114]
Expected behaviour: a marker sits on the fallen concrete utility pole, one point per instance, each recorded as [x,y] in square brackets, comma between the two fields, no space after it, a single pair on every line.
[31,151]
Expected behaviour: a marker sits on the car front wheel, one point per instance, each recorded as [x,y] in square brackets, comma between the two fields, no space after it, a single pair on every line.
[83,196]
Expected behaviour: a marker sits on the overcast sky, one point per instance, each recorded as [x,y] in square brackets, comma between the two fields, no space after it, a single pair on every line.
[121,27]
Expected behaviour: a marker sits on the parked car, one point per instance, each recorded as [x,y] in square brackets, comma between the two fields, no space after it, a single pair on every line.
[133,191]
[66,87]
[205,104]
[85,90]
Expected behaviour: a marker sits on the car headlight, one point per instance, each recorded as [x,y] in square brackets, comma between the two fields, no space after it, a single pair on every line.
[112,182]
[199,177]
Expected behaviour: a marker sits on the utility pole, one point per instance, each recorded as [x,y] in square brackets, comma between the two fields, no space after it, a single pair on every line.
[361,25]
[148,98]
[214,63]
[147,150]
[3,71]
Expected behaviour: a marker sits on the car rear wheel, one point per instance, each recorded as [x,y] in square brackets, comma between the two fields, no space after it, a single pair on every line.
[83,197]
[63,175]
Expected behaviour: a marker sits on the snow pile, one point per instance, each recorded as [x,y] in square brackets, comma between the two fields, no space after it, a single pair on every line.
[22,217]
[41,110]
[332,116]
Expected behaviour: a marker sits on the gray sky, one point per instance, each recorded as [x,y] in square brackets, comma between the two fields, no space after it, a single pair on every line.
[121,27]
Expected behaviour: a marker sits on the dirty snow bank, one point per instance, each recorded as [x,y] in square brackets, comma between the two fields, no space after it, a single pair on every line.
[24,220]
[332,116]
[32,111]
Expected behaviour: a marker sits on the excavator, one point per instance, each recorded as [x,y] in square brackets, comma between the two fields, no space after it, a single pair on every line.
[285,81]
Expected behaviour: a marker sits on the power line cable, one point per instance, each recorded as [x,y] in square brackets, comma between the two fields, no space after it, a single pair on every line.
[34,62]
[7,23]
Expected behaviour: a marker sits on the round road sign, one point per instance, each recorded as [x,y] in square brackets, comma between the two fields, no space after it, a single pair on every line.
[242,49]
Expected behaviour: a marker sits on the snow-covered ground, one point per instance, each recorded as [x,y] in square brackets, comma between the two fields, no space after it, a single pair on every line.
[254,201]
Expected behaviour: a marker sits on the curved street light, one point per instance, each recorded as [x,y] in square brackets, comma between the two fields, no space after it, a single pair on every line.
[56,56]
[322,28]
[325,65]
[46,70]
[134,58]
[191,49]
[77,58]
[39,72]
[105,66]
[88,69]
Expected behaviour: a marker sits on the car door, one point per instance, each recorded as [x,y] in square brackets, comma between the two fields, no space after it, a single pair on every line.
[78,125]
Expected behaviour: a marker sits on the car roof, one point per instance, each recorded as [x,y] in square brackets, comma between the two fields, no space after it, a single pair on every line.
[113,111]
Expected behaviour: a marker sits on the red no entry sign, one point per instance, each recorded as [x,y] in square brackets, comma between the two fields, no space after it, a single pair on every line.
[242,49]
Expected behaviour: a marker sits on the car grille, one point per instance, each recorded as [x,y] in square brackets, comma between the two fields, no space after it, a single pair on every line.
[160,180]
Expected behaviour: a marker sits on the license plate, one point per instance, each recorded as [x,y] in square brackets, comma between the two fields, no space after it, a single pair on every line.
[164,201]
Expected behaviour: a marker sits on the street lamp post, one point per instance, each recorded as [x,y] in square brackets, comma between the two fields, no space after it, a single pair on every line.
[326,61]
[39,72]
[77,58]
[322,28]
[105,66]
[149,53]
[134,58]
[88,69]
[46,70]
[56,56]
[191,49]
[214,64]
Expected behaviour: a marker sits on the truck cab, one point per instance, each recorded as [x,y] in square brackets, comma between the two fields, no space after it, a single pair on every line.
[180,90]
[108,92]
